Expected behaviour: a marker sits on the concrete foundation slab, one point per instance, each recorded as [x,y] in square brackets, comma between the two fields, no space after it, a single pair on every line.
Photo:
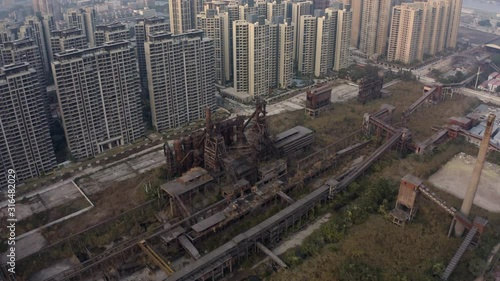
[455,175]
[27,246]
[55,269]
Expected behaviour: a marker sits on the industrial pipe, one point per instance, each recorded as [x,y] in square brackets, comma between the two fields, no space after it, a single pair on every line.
[476,175]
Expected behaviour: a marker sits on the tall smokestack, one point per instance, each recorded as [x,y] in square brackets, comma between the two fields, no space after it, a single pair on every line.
[476,174]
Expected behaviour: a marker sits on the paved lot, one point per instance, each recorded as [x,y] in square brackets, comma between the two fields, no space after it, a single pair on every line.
[44,200]
[455,175]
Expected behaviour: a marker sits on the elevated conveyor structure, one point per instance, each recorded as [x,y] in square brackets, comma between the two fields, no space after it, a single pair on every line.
[460,252]
[434,198]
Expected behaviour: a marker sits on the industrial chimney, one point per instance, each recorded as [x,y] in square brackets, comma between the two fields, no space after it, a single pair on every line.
[476,174]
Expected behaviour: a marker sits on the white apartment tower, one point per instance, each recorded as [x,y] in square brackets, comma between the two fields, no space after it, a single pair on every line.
[272,64]
[285,54]
[183,15]
[259,60]
[216,27]
[418,28]
[276,9]
[406,33]
[181,77]
[356,10]
[25,50]
[307,44]
[374,31]
[48,24]
[25,143]
[453,23]
[33,29]
[99,97]
[143,28]
[325,42]
[111,32]
[343,38]
[263,55]
[67,39]
[241,55]
[440,11]
[299,9]
[83,19]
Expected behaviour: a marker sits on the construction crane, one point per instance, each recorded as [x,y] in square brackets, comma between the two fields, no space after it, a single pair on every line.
[155,257]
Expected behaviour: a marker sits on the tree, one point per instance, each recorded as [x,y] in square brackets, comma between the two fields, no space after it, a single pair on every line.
[459,76]
[485,23]
[476,266]
[355,270]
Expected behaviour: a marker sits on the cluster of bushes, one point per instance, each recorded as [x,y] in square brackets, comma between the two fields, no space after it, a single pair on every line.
[370,199]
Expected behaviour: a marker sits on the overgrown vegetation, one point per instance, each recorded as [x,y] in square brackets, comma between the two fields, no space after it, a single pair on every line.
[355,72]
[359,243]
[458,77]
[342,119]
[92,242]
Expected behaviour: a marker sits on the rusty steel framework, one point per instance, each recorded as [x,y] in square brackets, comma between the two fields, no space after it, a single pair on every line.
[370,88]
[376,123]
[208,148]
[318,99]
[168,233]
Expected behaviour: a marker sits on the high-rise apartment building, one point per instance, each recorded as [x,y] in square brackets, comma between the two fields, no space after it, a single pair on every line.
[260,46]
[440,13]
[419,28]
[407,31]
[299,9]
[375,20]
[67,39]
[25,50]
[99,97]
[143,28]
[33,29]
[7,32]
[25,143]
[241,55]
[111,32]
[183,14]
[276,9]
[285,54]
[356,10]
[263,55]
[453,23]
[216,27]
[306,40]
[181,77]
[48,7]
[48,24]
[83,19]
[325,42]
[343,37]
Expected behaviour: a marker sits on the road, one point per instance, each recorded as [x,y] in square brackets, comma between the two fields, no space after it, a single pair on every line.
[485,97]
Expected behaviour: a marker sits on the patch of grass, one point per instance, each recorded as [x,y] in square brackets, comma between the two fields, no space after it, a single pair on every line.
[47,216]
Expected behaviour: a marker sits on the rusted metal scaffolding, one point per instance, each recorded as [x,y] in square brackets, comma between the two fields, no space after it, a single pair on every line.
[370,88]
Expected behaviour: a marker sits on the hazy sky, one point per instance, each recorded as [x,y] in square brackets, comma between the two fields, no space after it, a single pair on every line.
[482,5]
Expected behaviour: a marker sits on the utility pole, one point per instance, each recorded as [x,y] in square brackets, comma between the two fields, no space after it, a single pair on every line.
[477,76]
